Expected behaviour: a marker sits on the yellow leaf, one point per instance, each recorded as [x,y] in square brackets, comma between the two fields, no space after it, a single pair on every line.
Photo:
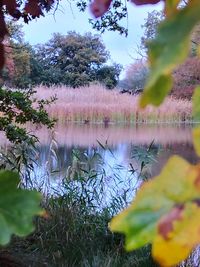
[183,237]
[161,210]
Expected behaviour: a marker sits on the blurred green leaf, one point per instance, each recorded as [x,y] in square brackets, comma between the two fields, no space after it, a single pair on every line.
[17,207]
[196,117]
[196,104]
[169,49]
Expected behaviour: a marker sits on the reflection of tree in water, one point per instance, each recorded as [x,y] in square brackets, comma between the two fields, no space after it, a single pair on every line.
[186,150]
[114,163]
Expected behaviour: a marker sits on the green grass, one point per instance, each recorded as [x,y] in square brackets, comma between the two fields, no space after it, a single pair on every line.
[71,236]
[76,231]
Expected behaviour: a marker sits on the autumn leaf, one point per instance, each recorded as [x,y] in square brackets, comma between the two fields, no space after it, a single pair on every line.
[196,139]
[160,212]
[99,7]
[196,104]
[181,238]
[11,5]
[32,7]
[17,207]
[145,2]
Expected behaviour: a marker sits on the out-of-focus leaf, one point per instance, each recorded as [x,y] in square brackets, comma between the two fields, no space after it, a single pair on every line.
[171,7]
[180,236]
[99,7]
[169,49]
[196,117]
[17,207]
[196,104]
[33,8]
[160,211]
[196,139]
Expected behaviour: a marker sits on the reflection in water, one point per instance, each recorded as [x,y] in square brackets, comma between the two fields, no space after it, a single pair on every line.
[87,135]
[118,148]
[107,170]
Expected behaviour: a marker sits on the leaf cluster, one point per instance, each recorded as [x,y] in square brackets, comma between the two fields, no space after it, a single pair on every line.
[17,207]
[17,109]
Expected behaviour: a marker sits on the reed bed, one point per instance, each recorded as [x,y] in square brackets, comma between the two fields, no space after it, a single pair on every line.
[95,104]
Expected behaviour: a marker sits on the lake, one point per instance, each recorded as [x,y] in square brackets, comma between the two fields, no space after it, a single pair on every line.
[111,160]
[118,155]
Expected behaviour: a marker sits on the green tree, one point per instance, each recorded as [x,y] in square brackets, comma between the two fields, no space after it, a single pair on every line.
[72,60]
[109,75]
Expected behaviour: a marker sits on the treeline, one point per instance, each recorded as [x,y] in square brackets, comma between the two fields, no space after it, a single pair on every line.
[73,60]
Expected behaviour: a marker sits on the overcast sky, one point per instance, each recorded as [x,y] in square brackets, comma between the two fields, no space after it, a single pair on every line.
[67,18]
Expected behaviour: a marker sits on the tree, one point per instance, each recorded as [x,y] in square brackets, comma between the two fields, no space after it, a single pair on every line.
[109,75]
[150,29]
[135,77]
[17,67]
[186,78]
[73,59]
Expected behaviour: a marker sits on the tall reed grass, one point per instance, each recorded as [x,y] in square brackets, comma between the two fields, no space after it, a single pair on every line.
[96,104]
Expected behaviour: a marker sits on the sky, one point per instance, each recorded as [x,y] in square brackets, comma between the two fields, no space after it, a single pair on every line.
[67,18]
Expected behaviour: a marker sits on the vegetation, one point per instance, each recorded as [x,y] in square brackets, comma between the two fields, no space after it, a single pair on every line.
[186,76]
[74,237]
[74,60]
[17,109]
[85,105]
[135,77]
[171,223]
[150,30]
[75,232]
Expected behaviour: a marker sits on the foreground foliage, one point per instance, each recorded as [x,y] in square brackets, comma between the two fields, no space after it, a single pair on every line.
[76,231]
[17,108]
[72,236]
[17,207]
[169,225]
[170,218]
[165,211]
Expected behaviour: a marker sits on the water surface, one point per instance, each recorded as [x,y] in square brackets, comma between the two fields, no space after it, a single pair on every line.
[114,159]
[121,151]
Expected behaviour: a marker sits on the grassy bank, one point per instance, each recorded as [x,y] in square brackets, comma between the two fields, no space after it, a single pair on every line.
[72,237]
[75,232]
[95,104]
